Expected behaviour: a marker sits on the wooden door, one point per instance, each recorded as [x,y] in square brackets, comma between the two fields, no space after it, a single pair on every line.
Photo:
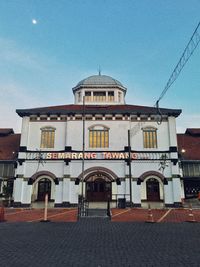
[153,190]
[99,190]
[44,187]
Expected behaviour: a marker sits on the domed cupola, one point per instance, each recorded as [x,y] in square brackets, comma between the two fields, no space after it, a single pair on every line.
[99,89]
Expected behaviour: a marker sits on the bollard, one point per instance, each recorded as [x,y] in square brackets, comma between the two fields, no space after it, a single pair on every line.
[2,213]
[150,218]
[191,217]
[45,209]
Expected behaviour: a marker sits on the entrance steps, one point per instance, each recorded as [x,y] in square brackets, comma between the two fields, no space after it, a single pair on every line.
[101,205]
[97,213]
[95,210]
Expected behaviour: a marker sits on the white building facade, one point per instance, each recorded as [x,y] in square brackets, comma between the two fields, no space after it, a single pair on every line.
[98,147]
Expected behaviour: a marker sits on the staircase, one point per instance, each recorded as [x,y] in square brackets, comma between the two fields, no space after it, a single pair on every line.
[97,213]
[93,210]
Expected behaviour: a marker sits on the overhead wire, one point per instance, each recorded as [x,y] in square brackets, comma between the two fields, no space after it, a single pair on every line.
[187,53]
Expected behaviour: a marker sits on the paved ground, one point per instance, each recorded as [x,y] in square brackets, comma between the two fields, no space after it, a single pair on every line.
[118,215]
[35,215]
[157,215]
[99,243]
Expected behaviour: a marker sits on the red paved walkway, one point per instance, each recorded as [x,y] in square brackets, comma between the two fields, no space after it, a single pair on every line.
[34,215]
[158,215]
[118,215]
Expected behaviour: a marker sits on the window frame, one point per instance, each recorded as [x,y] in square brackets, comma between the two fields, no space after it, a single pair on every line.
[98,136]
[47,137]
[99,96]
[150,139]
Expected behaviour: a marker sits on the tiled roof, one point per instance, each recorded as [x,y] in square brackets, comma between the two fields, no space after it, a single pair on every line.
[93,109]
[8,144]
[190,143]
[98,81]
[193,131]
[6,131]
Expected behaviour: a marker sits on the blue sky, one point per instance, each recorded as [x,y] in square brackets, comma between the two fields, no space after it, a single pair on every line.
[138,42]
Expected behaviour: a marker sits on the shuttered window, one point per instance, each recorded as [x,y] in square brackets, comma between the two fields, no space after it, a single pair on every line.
[98,138]
[150,137]
[47,137]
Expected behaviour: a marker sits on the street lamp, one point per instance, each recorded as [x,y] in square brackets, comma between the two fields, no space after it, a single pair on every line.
[130,172]
[83,160]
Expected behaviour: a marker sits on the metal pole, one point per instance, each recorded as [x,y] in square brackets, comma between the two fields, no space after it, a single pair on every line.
[83,160]
[130,174]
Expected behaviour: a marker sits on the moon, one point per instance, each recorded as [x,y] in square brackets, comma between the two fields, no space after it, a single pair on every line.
[34,21]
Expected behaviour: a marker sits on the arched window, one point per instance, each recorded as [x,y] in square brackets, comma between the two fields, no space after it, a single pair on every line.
[47,137]
[98,137]
[150,137]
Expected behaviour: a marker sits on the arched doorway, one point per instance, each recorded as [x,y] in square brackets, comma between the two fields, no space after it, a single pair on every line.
[44,187]
[98,188]
[153,189]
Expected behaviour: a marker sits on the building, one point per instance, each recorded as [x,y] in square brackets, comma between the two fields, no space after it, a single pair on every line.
[9,147]
[125,152]
[189,151]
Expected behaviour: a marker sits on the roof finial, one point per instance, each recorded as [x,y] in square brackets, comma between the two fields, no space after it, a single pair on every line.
[99,70]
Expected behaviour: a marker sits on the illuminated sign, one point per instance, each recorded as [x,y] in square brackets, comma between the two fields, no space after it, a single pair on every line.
[93,156]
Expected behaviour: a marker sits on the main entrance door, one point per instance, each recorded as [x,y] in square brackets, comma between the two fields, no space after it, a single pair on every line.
[98,190]
[44,187]
[153,191]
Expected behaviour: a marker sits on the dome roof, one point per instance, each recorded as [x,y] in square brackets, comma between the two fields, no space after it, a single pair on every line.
[99,81]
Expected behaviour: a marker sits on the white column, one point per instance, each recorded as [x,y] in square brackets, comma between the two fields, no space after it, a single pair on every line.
[58,193]
[24,131]
[168,194]
[26,193]
[17,191]
[127,186]
[176,190]
[74,191]
[66,135]
[66,193]
[176,183]
[136,194]
[172,131]
[182,190]
[21,168]
[106,96]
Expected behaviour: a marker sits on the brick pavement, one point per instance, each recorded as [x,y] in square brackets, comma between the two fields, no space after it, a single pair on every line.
[159,215]
[99,243]
[34,215]
[118,215]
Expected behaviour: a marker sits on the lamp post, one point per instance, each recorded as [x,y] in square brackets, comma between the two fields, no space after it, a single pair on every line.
[83,160]
[130,173]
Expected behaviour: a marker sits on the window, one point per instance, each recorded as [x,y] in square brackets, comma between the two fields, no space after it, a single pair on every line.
[119,97]
[79,96]
[47,137]
[99,96]
[191,169]
[110,96]
[150,137]
[98,137]
[88,97]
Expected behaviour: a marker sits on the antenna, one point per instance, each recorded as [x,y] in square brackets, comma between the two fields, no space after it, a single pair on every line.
[99,70]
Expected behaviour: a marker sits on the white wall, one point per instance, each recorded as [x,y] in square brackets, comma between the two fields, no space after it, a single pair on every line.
[34,137]
[118,134]
[69,133]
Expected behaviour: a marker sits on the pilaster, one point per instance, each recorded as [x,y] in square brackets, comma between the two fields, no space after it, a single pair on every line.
[136,194]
